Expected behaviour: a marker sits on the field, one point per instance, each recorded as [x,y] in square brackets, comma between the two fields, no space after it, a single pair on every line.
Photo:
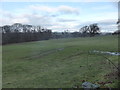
[60,63]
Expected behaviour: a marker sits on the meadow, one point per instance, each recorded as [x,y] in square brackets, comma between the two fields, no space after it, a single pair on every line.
[60,63]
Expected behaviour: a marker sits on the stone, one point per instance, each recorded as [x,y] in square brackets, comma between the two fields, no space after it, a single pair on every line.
[90,85]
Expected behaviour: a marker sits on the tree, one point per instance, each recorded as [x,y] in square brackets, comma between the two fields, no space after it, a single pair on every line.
[6,34]
[94,29]
[90,30]
[75,34]
[118,31]
[6,29]
[23,33]
[84,30]
[118,21]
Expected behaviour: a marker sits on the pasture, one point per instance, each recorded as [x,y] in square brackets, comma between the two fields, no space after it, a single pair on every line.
[60,63]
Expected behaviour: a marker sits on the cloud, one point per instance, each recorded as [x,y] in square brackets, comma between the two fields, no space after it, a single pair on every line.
[25,18]
[10,18]
[57,18]
[44,16]
[61,27]
[107,22]
[20,20]
[59,9]
[56,23]
[109,28]
[108,25]
[66,20]
[68,10]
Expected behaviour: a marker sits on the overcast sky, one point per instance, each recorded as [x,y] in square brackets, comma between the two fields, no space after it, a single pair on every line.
[60,16]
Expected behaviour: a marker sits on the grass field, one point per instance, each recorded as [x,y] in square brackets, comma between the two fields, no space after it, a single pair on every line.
[59,63]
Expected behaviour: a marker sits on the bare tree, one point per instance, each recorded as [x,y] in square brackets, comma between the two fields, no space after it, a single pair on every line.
[90,30]
[94,29]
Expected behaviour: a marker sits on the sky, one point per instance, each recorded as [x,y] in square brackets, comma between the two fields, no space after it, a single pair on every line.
[61,16]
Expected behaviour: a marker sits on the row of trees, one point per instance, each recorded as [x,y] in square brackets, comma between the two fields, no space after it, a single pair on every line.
[23,33]
[17,33]
[90,30]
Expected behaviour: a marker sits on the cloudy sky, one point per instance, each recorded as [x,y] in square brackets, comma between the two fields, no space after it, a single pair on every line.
[60,16]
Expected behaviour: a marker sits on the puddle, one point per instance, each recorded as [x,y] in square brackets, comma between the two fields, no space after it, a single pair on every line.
[106,52]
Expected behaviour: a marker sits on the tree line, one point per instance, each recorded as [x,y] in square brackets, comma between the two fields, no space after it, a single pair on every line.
[86,31]
[17,33]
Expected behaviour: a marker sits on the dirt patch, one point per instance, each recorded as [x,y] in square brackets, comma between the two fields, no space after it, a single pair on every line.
[112,75]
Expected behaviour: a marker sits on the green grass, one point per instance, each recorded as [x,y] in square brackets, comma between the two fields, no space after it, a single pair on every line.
[42,64]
